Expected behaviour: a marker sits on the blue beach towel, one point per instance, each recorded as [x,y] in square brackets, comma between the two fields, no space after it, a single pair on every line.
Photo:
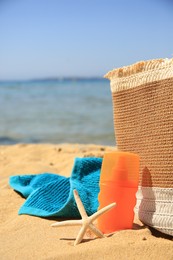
[51,195]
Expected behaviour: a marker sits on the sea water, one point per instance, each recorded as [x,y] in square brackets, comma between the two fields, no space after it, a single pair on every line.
[56,111]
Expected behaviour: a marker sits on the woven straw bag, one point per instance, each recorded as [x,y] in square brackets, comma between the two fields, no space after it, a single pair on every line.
[142,97]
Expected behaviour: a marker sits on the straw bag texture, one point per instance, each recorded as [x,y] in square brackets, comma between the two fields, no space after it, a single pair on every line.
[142,97]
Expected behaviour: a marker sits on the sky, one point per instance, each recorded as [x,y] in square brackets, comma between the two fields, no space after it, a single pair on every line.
[81,38]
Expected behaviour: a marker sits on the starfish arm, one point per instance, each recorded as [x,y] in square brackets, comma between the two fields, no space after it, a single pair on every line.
[80,235]
[67,223]
[101,211]
[95,230]
[80,204]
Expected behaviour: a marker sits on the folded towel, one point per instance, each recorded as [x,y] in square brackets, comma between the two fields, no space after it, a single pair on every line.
[51,195]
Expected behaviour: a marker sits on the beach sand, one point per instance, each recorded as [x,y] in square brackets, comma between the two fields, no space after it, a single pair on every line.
[27,237]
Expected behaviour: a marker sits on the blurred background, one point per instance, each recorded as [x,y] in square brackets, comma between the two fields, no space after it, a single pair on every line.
[54,54]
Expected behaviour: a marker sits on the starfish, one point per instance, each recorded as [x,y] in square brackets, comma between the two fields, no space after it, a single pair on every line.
[86,220]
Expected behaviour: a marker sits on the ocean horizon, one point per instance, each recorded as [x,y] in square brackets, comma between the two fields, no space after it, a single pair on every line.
[51,79]
[56,110]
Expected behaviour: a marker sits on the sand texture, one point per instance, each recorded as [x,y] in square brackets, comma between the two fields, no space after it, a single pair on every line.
[26,237]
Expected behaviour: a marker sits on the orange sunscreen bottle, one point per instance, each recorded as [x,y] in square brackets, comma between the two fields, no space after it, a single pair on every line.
[118,183]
